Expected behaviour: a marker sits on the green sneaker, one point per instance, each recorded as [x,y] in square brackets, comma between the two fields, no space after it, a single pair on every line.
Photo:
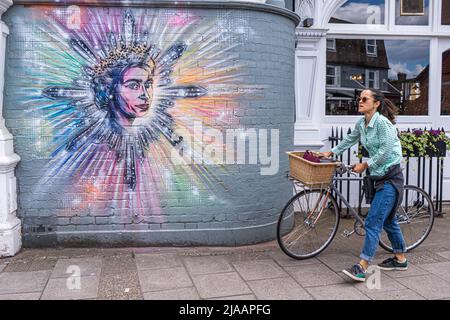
[393,264]
[356,273]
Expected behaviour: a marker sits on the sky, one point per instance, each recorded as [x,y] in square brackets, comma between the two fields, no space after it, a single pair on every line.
[407,56]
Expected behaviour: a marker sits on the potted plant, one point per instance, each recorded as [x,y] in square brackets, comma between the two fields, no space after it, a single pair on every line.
[419,143]
[424,143]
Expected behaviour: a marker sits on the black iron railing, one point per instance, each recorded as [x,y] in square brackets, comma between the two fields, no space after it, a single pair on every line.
[424,172]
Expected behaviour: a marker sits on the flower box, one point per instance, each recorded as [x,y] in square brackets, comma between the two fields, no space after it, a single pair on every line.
[424,143]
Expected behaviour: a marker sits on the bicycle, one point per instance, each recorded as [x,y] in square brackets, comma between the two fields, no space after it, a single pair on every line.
[310,219]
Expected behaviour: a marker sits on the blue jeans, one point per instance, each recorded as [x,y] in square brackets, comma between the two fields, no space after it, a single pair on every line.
[382,204]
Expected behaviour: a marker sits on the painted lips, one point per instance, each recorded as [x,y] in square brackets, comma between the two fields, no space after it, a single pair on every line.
[143,107]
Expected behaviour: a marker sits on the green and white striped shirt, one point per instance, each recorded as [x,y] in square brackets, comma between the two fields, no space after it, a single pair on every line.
[380,140]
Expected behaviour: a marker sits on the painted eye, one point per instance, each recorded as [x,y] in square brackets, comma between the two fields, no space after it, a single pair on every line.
[148,84]
[133,85]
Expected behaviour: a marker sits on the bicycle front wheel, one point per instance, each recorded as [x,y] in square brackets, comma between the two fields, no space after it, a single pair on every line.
[307,224]
[415,217]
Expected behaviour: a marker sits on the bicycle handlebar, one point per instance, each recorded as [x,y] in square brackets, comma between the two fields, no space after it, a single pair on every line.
[344,168]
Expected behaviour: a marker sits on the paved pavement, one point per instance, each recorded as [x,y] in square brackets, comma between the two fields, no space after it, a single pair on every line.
[250,272]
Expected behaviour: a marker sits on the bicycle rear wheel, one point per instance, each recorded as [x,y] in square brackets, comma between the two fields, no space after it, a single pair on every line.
[415,217]
[307,224]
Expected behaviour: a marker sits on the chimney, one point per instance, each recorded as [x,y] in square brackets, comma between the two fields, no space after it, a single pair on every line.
[401,76]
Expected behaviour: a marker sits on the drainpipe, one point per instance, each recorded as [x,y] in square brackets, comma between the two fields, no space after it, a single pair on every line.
[10,225]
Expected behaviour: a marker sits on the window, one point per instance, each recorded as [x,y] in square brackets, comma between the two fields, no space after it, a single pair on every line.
[360,12]
[400,70]
[412,12]
[445,20]
[445,92]
[289,4]
[371,47]
[372,79]
[331,44]
[333,76]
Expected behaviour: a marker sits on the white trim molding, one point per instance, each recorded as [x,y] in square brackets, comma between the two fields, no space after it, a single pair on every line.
[10,225]
[309,75]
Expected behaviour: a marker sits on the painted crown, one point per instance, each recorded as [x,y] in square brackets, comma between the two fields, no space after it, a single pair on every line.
[139,50]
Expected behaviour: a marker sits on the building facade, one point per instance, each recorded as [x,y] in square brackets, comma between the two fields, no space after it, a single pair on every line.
[400,47]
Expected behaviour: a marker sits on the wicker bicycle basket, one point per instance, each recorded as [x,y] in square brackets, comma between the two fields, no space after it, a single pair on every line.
[311,174]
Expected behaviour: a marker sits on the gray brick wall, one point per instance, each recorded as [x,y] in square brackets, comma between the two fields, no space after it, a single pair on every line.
[247,204]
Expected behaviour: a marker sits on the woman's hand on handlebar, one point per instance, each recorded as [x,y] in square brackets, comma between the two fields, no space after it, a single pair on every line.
[360,167]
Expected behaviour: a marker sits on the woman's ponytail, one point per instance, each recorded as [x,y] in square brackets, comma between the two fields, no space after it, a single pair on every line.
[387,108]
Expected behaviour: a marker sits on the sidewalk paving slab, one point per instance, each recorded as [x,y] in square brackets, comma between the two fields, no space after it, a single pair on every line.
[241,297]
[419,257]
[428,286]
[207,264]
[285,288]
[220,285]
[395,295]
[21,296]
[440,269]
[164,279]
[314,275]
[174,294]
[285,261]
[23,282]
[146,261]
[413,270]
[58,289]
[259,269]
[337,261]
[386,284]
[444,254]
[340,291]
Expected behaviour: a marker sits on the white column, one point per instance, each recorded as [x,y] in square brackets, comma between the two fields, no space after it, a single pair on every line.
[310,72]
[10,226]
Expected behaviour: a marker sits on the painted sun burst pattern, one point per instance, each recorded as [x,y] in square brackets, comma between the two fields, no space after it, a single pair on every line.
[118,94]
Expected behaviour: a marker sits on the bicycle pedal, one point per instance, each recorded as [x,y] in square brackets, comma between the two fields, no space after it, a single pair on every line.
[347,233]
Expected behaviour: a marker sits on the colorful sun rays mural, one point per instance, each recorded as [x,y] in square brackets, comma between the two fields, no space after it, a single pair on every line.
[114,95]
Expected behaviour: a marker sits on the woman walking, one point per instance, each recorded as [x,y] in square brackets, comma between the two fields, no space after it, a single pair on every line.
[378,135]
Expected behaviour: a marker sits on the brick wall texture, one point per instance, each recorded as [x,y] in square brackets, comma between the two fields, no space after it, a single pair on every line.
[231,69]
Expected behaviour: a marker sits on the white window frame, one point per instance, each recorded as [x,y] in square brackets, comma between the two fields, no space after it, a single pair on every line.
[439,27]
[333,46]
[402,119]
[433,29]
[375,46]
[412,28]
[337,76]
[358,27]
[376,79]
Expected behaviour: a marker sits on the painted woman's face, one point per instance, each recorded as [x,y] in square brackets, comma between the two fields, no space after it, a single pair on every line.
[135,92]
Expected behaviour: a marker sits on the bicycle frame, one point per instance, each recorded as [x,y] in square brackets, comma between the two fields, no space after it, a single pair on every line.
[341,197]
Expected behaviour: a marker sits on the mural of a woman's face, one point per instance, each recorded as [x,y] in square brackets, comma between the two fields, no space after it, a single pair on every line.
[135,92]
